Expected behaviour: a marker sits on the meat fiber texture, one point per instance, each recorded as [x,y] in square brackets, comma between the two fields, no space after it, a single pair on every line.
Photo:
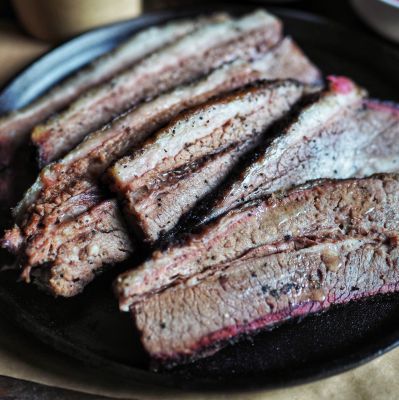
[322,141]
[67,190]
[16,127]
[328,243]
[78,237]
[168,163]
[185,323]
[101,148]
[341,135]
[69,257]
[331,209]
[186,59]
[62,190]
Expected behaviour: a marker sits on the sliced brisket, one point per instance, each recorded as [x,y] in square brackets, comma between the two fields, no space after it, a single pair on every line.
[64,259]
[54,206]
[327,209]
[15,127]
[189,58]
[236,121]
[159,205]
[68,238]
[189,321]
[68,188]
[341,135]
[73,178]
[101,148]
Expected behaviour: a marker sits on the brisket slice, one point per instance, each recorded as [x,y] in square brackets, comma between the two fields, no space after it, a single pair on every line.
[235,121]
[54,209]
[160,204]
[189,58]
[59,194]
[339,136]
[190,321]
[15,127]
[69,239]
[322,209]
[382,152]
[65,259]
[101,148]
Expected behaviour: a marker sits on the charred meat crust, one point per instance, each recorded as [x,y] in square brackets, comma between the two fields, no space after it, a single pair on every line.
[239,188]
[154,210]
[252,88]
[56,241]
[69,256]
[193,220]
[56,206]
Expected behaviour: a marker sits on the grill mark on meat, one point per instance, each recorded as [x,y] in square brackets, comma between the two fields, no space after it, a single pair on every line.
[321,209]
[191,57]
[67,257]
[242,117]
[16,126]
[187,322]
[102,148]
[339,136]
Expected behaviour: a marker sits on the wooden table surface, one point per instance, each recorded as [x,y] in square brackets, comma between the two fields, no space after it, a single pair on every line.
[10,388]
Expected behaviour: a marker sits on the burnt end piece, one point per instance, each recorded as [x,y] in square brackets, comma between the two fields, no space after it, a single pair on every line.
[55,206]
[69,237]
[44,216]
